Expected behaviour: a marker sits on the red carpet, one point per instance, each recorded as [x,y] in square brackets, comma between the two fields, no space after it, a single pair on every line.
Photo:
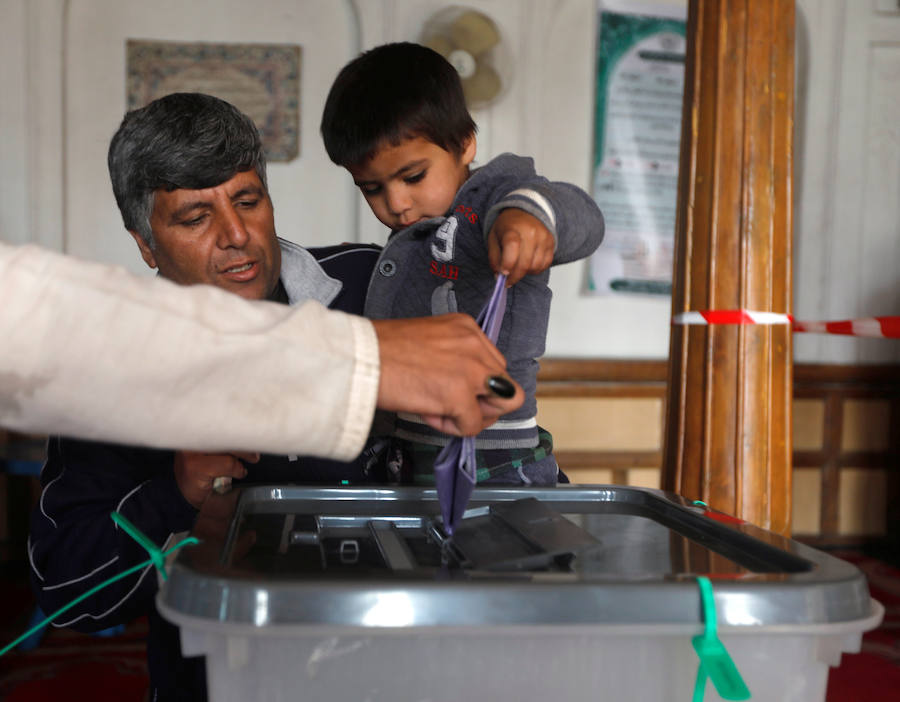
[873,674]
[67,666]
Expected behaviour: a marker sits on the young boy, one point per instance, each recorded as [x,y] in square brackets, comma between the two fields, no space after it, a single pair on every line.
[396,119]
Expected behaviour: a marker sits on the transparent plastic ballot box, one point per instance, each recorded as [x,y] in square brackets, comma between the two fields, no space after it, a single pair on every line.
[568,593]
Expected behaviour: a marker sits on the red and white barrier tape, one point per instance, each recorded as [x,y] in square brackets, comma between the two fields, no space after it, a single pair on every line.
[886,327]
[731,317]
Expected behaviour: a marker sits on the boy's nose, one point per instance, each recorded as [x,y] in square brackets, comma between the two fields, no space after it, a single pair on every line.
[398,201]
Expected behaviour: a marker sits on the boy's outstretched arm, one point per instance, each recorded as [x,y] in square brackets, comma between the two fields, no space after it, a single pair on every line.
[568,214]
[579,223]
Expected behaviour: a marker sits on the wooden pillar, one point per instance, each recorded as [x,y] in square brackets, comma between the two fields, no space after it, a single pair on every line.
[728,423]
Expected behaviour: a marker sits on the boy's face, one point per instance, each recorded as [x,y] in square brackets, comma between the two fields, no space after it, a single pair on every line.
[413,180]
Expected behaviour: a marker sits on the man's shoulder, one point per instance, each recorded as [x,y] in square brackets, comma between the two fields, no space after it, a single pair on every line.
[346,260]
[323,254]
[98,456]
[352,264]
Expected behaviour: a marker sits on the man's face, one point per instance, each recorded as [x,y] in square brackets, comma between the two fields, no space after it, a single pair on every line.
[222,236]
[413,180]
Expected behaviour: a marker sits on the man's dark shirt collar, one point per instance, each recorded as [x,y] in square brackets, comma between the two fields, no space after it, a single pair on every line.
[279,294]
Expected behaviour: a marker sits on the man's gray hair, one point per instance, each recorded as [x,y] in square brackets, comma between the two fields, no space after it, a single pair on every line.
[182,140]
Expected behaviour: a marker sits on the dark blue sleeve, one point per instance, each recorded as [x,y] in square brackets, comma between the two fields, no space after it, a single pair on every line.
[352,264]
[74,545]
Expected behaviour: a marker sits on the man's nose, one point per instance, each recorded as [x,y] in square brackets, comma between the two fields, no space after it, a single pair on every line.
[233,232]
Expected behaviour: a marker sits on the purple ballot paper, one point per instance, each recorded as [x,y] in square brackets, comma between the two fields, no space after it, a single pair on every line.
[454,468]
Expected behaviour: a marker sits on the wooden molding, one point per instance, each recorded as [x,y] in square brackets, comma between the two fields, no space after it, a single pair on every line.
[585,370]
[600,370]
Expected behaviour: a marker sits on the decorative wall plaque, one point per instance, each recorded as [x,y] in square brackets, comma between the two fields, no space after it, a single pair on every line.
[261,80]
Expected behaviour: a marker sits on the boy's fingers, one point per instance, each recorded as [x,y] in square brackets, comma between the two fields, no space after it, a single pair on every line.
[522,264]
[495,253]
[512,249]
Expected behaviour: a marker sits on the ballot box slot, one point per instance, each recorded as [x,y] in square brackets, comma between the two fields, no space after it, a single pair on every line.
[525,534]
[588,533]
[391,545]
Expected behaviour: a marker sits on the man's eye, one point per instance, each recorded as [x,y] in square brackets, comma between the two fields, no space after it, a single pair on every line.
[415,178]
[248,204]
[196,221]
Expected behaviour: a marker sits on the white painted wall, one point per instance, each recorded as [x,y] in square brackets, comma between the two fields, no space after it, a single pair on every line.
[847,177]
[311,196]
[62,82]
[13,133]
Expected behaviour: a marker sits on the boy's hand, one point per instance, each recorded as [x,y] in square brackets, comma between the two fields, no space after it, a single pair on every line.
[519,244]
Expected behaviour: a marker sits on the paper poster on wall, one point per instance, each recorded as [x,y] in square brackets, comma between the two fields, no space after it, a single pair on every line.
[637,132]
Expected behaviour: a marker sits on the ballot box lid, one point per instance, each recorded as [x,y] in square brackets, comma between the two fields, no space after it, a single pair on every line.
[377,557]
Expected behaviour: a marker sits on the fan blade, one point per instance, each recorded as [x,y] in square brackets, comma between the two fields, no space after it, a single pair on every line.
[439,43]
[474,32]
[484,84]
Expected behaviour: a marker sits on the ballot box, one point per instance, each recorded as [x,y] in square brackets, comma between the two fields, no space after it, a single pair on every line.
[555,594]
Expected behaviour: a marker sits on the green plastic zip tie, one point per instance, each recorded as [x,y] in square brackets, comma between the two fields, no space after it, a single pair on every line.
[156,555]
[715,661]
[157,558]
[699,684]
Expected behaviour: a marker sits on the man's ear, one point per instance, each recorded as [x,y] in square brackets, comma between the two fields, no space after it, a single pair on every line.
[146,251]
[468,152]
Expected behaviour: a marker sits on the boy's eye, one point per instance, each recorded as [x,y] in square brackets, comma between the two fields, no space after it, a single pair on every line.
[415,178]
[372,189]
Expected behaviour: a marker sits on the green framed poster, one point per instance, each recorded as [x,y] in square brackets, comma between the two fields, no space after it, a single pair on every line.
[637,134]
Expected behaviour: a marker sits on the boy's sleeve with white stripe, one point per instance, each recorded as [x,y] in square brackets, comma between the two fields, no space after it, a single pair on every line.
[568,212]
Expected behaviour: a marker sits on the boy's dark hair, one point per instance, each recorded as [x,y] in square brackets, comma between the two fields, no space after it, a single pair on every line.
[390,93]
[181,140]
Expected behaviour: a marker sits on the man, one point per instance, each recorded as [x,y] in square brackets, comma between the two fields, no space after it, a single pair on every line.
[188,173]
[189,178]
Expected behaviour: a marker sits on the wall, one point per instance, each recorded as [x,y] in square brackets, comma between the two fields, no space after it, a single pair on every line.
[71,97]
[62,81]
[847,173]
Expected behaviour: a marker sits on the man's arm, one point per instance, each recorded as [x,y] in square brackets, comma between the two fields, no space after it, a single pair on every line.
[74,545]
[93,351]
